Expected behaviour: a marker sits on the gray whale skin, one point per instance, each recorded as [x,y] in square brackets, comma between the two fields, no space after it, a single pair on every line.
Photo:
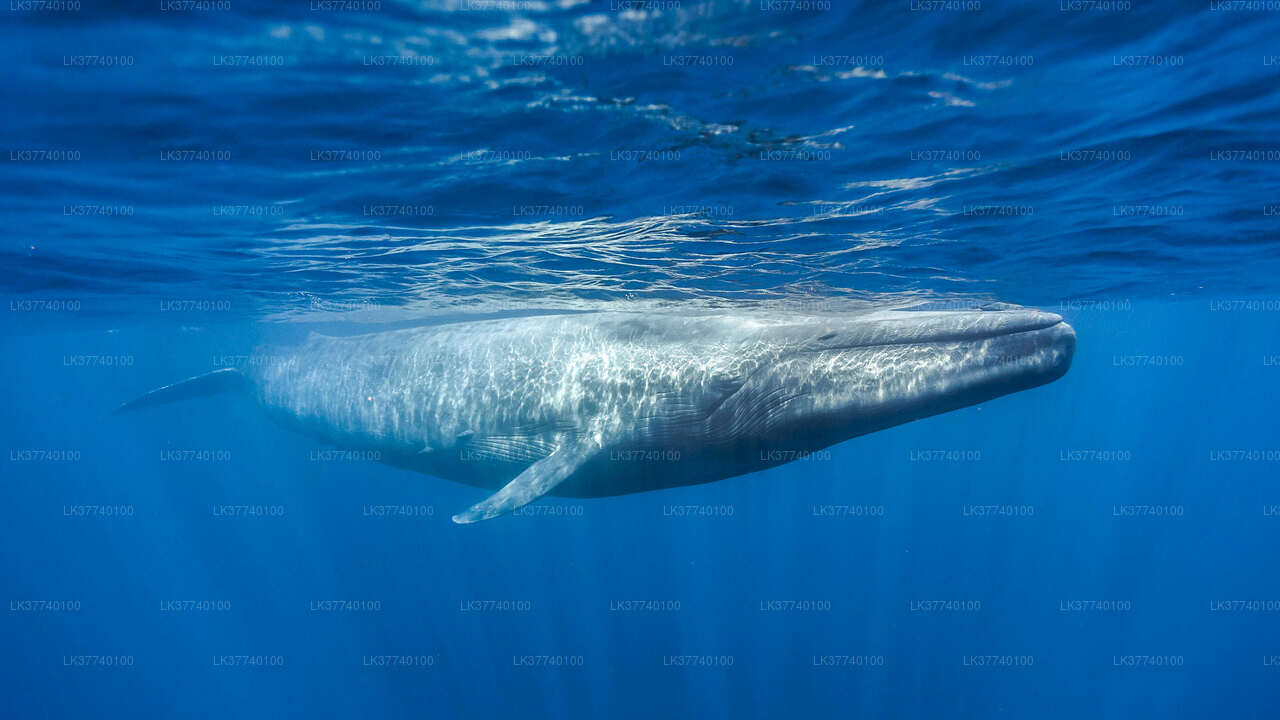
[599,404]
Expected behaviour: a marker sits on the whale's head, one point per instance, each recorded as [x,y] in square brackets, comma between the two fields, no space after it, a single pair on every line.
[843,377]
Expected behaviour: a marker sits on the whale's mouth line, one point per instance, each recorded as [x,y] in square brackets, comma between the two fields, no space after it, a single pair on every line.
[942,338]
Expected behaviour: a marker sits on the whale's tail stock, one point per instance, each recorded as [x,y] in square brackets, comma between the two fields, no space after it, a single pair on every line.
[530,485]
[211,383]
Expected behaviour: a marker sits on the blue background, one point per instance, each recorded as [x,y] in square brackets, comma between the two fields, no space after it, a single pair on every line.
[1138,200]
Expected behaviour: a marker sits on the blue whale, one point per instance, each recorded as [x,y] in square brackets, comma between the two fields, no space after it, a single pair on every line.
[609,403]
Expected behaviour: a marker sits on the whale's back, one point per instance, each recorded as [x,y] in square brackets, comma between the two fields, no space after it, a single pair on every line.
[537,377]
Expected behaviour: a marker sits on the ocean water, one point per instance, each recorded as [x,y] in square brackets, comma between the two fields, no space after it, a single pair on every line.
[183,182]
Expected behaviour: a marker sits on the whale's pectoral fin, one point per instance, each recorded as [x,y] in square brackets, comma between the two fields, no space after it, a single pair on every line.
[537,480]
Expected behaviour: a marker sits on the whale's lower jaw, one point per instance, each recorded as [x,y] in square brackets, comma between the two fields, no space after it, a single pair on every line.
[661,468]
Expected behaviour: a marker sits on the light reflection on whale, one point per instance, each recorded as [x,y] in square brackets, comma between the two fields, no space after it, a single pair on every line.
[599,404]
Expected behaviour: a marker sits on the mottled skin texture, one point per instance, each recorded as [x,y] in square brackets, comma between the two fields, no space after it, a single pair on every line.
[645,401]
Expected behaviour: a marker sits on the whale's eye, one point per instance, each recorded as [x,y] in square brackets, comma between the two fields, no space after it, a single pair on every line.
[828,336]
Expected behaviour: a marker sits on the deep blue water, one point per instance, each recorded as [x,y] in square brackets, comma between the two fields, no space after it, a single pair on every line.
[183,182]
